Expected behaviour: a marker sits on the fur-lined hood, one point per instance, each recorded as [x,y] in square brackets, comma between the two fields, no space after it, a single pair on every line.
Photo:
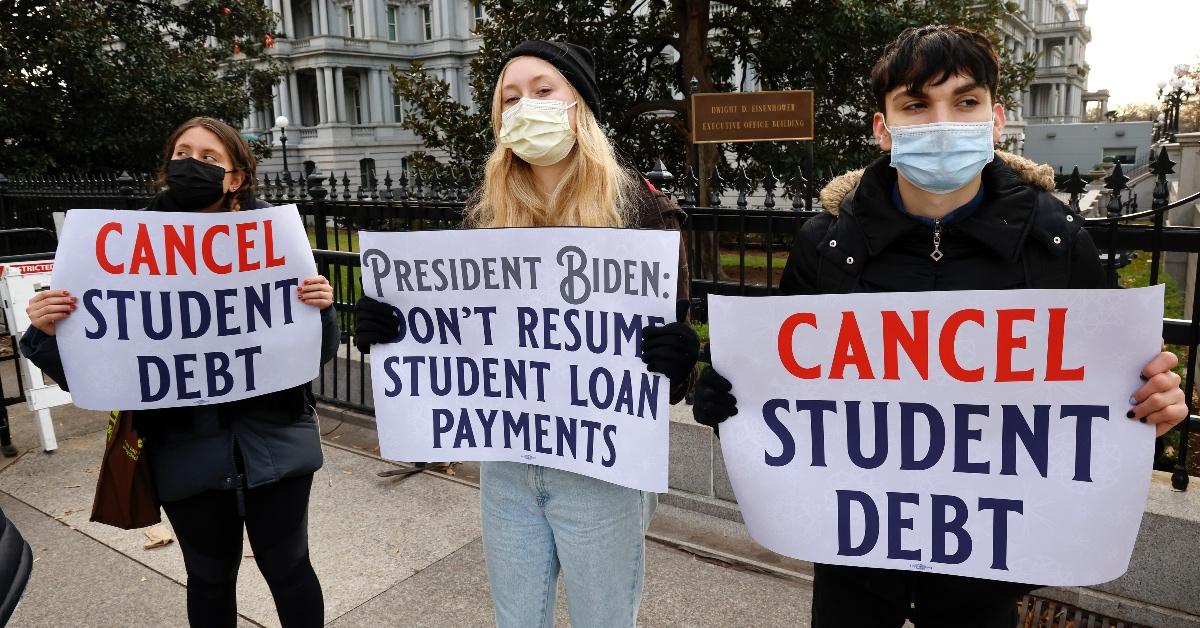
[1040,175]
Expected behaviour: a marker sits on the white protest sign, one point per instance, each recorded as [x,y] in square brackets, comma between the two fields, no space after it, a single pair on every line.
[524,345]
[181,309]
[978,433]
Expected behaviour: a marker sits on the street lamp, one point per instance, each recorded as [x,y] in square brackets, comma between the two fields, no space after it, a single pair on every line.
[282,123]
[1173,94]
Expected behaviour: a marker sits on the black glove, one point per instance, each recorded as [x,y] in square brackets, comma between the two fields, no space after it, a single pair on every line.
[671,349]
[374,323]
[714,403]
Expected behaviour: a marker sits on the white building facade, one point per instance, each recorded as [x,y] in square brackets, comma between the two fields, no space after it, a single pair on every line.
[1055,30]
[339,99]
[338,93]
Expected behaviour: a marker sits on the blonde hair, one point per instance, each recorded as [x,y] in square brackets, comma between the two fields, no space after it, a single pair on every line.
[595,191]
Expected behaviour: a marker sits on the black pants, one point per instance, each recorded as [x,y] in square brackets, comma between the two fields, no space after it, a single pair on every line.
[840,602]
[209,530]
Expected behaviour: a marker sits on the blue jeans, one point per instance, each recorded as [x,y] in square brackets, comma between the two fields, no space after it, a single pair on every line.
[537,520]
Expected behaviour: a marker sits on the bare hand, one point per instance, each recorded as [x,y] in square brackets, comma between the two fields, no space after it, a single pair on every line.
[1160,401]
[316,291]
[48,307]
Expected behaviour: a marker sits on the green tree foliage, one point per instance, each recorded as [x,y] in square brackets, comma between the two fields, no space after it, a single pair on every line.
[826,45]
[97,85]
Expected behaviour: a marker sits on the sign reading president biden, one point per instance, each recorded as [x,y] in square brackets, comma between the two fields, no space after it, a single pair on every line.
[183,309]
[971,433]
[524,345]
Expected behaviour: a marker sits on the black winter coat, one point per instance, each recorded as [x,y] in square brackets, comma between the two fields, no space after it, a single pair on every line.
[1019,237]
[191,449]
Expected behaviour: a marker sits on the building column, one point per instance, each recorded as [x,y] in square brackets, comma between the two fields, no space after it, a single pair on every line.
[384,94]
[375,112]
[294,92]
[322,96]
[368,18]
[285,99]
[323,14]
[289,26]
[339,94]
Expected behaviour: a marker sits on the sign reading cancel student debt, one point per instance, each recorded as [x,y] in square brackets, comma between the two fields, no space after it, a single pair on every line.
[524,345]
[970,433]
[182,309]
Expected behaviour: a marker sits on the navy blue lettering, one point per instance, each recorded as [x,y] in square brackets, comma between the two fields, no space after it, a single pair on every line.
[149,393]
[216,364]
[955,526]
[1083,416]
[897,523]
[89,303]
[871,523]
[963,436]
[1035,439]
[908,430]
[1000,509]
[183,374]
[186,329]
[854,435]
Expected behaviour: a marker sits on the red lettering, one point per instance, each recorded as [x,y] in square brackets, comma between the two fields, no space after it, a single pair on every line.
[245,245]
[914,343]
[946,345]
[184,248]
[269,236]
[101,240]
[850,350]
[207,246]
[1006,343]
[143,253]
[1054,350]
[786,354]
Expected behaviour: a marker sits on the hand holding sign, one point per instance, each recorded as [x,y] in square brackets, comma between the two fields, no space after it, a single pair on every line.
[48,307]
[1160,401]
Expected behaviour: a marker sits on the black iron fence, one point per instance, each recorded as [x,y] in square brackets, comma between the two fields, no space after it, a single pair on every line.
[737,248]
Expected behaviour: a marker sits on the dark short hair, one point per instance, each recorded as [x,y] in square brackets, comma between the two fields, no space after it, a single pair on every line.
[924,55]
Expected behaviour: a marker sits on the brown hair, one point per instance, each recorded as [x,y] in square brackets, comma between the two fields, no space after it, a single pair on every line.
[238,149]
[931,55]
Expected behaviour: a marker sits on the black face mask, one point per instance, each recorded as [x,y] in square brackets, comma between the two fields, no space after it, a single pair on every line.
[193,184]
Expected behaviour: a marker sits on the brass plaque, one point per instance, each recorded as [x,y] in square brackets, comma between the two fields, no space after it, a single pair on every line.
[752,116]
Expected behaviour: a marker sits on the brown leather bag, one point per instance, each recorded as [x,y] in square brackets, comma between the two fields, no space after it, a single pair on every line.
[124,489]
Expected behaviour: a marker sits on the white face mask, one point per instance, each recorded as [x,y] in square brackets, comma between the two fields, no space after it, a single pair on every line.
[538,131]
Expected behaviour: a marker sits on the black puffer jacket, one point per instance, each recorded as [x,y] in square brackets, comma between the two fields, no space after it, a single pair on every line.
[191,449]
[1020,236]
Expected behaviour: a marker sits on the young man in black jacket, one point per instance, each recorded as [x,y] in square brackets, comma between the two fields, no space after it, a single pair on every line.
[941,211]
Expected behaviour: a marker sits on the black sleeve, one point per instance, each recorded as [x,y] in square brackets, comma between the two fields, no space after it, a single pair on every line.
[800,272]
[331,334]
[1087,272]
[42,351]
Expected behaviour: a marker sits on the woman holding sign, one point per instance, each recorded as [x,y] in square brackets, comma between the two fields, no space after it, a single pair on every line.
[553,166]
[223,466]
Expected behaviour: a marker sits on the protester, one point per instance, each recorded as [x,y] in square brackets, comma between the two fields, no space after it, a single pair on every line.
[553,166]
[218,467]
[942,211]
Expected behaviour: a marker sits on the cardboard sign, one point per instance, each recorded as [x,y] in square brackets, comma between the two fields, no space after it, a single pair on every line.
[524,345]
[180,309]
[970,433]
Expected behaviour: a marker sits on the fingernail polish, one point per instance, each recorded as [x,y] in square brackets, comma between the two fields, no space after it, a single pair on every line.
[1132,400]
[1129,415]
[1143,419]
[1144,378]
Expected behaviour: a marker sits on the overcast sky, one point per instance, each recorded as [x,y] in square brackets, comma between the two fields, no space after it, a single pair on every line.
[1135,43]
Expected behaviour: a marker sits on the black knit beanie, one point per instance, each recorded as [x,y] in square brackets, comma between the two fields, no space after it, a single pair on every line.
[574,62]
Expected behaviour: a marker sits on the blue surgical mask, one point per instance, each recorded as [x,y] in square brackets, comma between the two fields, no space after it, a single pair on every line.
[941,157]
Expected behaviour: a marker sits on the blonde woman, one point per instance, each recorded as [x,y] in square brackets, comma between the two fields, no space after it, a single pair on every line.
[553,166]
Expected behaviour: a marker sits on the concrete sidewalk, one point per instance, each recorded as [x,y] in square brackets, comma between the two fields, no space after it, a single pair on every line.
[388,551]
